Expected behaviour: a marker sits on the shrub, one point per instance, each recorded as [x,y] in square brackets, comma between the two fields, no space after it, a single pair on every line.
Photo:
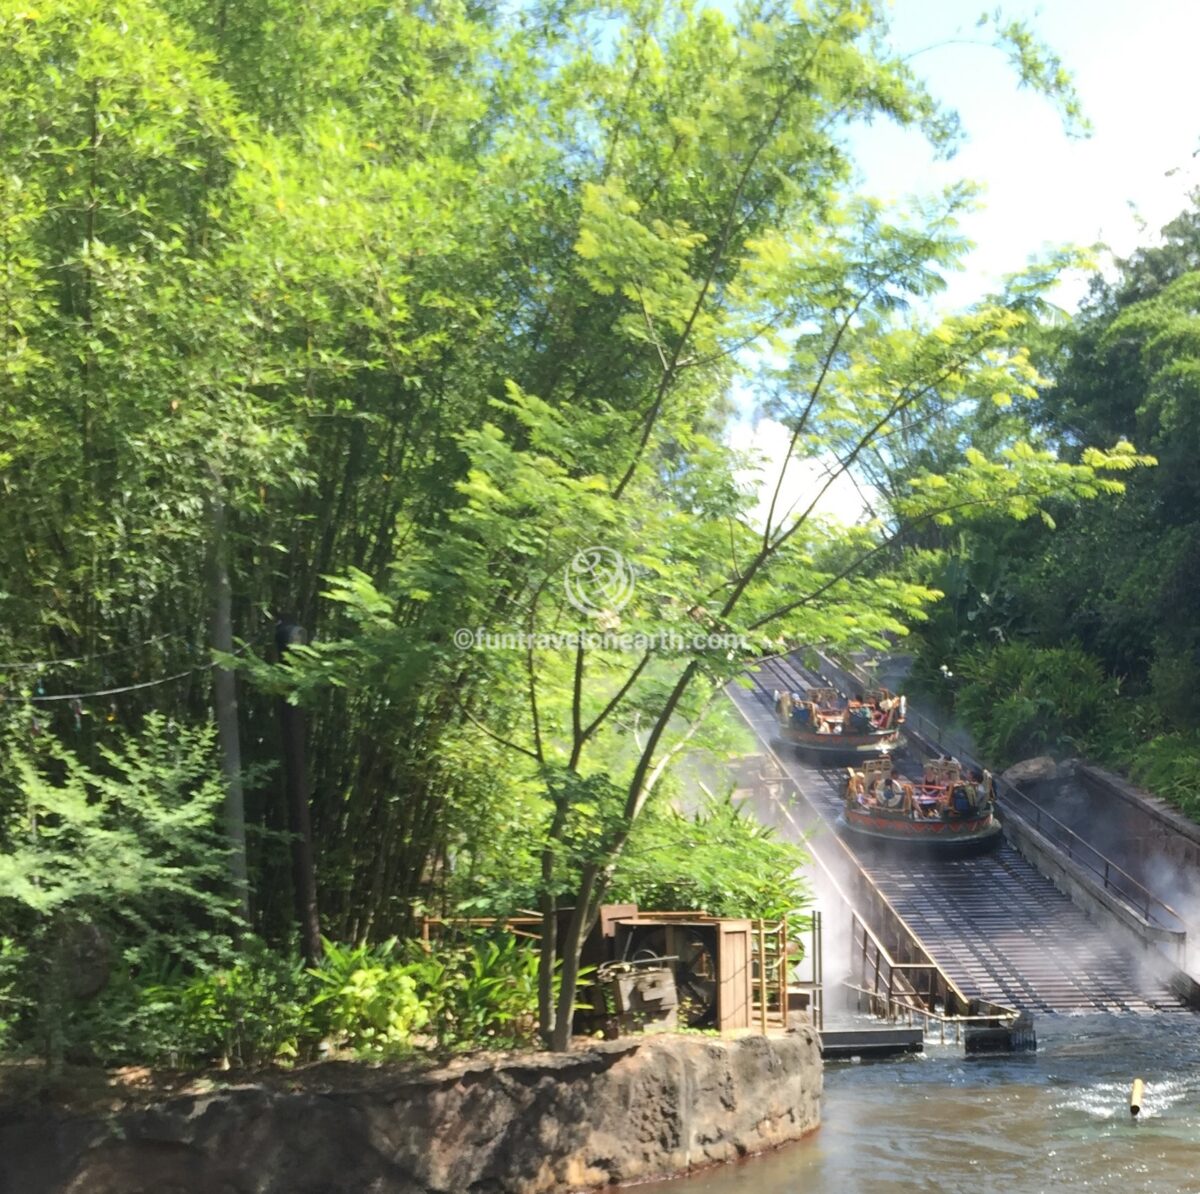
[483,993]
[1017,700]
[107,867]
[717,859]
[367,1000]
[14,999]
[252,1013]
[1169,766]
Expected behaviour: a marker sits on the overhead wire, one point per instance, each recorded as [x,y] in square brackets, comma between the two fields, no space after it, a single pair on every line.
[29,664]
[43,698]
[103,692]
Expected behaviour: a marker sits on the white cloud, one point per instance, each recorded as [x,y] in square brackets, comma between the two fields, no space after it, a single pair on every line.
[767,441]
[1135,73]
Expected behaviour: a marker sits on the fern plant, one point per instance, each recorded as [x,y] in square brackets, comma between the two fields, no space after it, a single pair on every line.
[105,867]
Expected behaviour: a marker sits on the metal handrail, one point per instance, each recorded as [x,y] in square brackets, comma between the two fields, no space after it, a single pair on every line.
[884,963]
[1132,891]
[1147,899]
[899,995]
[938,1018]
[931,1014]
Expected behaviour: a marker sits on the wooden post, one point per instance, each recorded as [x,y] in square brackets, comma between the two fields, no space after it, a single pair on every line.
[781,969]
[762,975]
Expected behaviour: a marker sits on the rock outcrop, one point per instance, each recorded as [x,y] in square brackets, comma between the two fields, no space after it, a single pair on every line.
[619,1112]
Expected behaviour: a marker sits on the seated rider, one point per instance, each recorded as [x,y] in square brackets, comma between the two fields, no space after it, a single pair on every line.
[983,788]
[961,801]
[859,718]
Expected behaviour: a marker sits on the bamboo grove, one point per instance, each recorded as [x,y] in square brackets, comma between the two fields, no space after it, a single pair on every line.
[329,330]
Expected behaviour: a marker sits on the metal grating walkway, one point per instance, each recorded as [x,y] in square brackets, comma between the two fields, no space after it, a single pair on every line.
[996,926]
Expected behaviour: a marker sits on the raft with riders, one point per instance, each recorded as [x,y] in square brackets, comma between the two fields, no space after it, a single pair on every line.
[822,723]
[949,809]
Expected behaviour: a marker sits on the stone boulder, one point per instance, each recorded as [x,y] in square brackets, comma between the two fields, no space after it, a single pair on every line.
[610,1113]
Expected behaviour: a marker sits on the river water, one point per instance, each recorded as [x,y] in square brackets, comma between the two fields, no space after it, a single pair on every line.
[1057,1120]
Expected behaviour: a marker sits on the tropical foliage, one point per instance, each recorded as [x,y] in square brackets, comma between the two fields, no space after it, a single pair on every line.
[718,860]
[1033,700]
[1105,600]
[334,333]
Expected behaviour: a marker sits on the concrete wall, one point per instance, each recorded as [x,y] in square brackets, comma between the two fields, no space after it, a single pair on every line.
[613,1113]
[1087,892]
[1152,828]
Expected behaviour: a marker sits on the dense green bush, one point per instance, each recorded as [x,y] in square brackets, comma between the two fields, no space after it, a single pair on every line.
[718,859]
[482,992]
[368,1000]
[1169,765]
[110,867]
[14,1003]
[116,946]
[252,1013]
[263,1008]
[1018,700]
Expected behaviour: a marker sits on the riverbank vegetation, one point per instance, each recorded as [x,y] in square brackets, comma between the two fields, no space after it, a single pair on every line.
[372,542]
[1081,637]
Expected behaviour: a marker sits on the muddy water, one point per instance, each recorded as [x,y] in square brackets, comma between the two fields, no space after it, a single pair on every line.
[1055,1121]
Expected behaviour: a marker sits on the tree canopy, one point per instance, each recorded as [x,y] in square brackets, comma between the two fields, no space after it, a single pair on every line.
[376,321]
[1110,591]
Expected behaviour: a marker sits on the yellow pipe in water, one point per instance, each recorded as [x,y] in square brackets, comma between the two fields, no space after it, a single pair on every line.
[1135,1097]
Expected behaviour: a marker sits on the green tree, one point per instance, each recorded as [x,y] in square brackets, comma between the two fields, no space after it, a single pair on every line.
[429,298]
[1118,579]
[749,225]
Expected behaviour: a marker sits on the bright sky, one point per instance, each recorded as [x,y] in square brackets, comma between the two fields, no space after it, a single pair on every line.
[1136,70]
[1135,67]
